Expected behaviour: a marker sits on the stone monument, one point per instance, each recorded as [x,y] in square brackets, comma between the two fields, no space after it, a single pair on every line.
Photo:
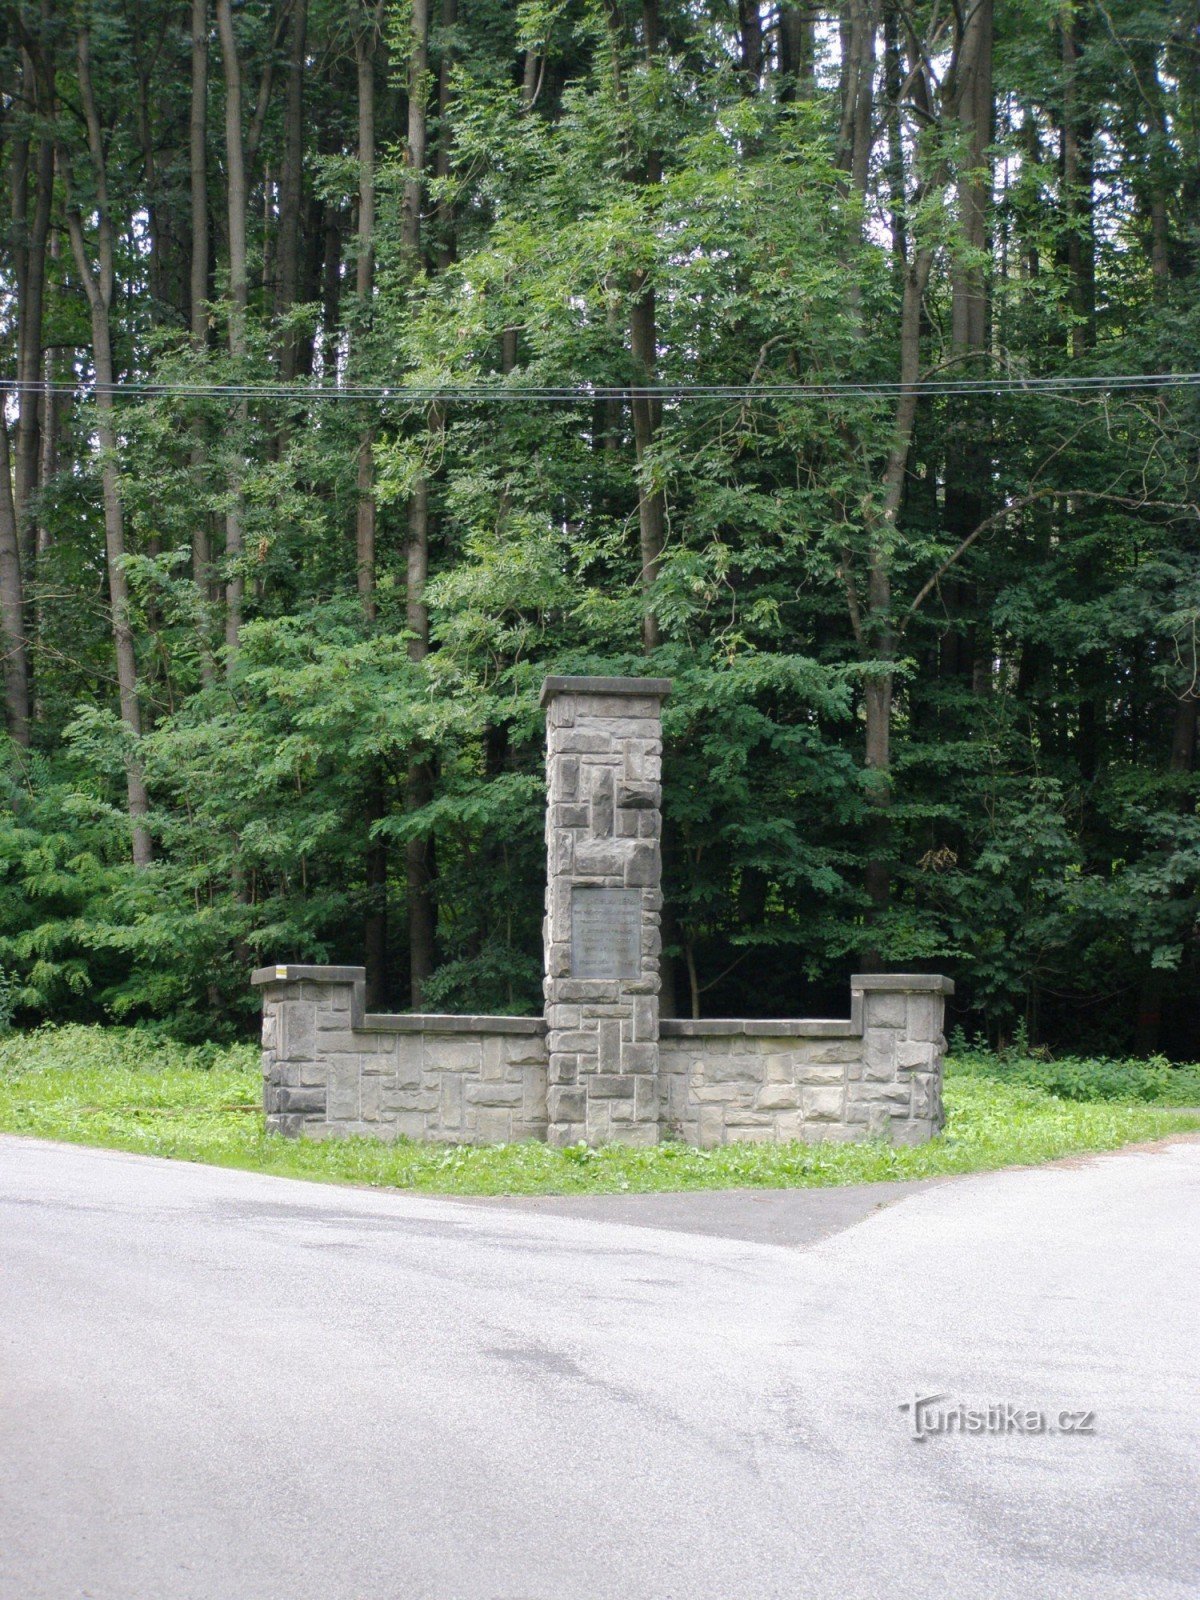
[599,1065]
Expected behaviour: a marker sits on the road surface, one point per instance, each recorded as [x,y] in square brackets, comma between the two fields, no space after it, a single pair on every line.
[221,1386]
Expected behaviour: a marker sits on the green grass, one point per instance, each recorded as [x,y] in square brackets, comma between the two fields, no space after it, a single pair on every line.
[130,1089]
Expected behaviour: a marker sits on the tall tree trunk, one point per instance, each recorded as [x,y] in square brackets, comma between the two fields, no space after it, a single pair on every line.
[751,34]
[446,243]
[418,852]
[98,283]
[375,922]
[235,583]
[967,469]
[878,633]
[893,77]
[646,409]
[1078,188]
[29,342]
[198,175]
[859,27]
[647,413]
[365,44]
[418,70]
[198,313]
[12,606]
[291,189]
[797,49]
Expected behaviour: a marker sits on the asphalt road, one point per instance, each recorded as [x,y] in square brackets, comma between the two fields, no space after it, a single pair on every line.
[218,1386]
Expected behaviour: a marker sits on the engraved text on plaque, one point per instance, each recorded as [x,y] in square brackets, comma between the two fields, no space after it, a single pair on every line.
[606,933]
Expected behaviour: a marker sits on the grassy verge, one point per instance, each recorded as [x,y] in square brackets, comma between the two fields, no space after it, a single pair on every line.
[129,1090]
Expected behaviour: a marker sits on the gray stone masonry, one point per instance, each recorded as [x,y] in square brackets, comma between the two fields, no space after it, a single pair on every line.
[878,1076]
[603,903]
[332,1069]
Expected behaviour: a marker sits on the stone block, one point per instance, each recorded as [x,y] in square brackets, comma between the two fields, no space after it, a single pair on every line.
[598,1126]
[923,1016]
[645,1019]
[818,1072]
[608,1032]
[565,1105]
[610,1086]
[645,1099]
[913,1054]
[582,1042]
[573,814]
[562,1070]
[494,1094]
[410,1125]
[303,1101]
[817,1051]
[589,741]
[710,1127]
[639,796]
[635,719]
[492,1056]
[736,1133]
[777,1097]
[408,1063]
[639,1058]
[596,991]
[529,1052]
[879,1056]
[493,1126]
[884,1010]
[602,860]
[602,811]
[566,778]
[642,866]
[297,1031]
[533,1102]
[524,1131]
[342,1097]
[716,1093]
[822,1105]
[369,1095]
[740,1068]
[925,1097]
[640,1134]
[447,1052]
[450,1111]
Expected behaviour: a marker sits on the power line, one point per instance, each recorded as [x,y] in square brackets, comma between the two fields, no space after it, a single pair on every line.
[477,393]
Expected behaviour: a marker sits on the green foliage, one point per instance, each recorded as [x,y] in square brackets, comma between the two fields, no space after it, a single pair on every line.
[1038,817]
[1152,1082]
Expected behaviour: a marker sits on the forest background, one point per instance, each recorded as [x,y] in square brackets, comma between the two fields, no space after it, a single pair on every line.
[272,640]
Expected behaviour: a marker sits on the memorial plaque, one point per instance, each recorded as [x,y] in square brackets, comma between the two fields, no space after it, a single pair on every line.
[606,933]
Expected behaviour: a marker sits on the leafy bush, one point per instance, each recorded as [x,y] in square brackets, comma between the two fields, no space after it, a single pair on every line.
[1153,1081]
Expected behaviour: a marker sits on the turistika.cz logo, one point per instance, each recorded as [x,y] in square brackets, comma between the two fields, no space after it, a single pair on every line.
[932,1417]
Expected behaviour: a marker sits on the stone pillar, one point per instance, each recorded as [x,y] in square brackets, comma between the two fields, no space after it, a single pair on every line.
[898,1092]
[603,905]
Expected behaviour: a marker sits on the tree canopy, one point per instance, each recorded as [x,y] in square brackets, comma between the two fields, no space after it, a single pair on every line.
[365,363]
